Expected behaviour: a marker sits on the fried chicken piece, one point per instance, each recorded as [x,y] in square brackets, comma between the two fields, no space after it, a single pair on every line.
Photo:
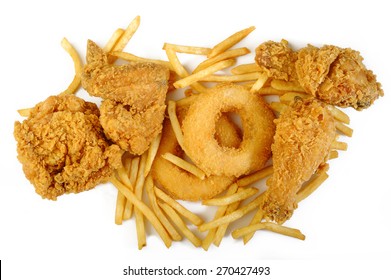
[277,60]
[62,147]
[132,130]
[304,134]
[337,76]
[137,84]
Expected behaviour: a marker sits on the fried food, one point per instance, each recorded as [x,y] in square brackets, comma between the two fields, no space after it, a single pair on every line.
[305,132]
[199,127]
[132,130]
[134,98]
[277,60]
[62,147]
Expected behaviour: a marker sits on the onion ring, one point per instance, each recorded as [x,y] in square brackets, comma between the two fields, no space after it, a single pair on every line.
[199,129]
[179,183]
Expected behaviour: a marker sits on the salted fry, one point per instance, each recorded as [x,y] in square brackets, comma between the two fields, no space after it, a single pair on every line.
[113,40]
[268,226]
[127,35]
[262,79]
[177,220]
[187,49]
[287,86]
[245,68]
[210,237]
[231,78]
[181,163]
[145,211]
[223,56]
[257,218]
[230,41]
[241,194]
[149,187]
[233,216]
[131,57]
[133,177]
[152,153]
[252,178]
[203,73]
[193,218]
[344,129]
[309,188]
[180,70]
[171,109]
[138,191]
[75,84]
[221,230]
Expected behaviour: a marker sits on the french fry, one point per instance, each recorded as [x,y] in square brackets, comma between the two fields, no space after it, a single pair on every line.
[176,127]
[24,112]
[241,194]
[257,218]
[145,211]
[256,176]
[138,191]
[177,220]
[278,107]
[270,91]
[311,186]
[344,129]
[245,68]
[187,49]
[127,35]
[221,230]
[193,218]
[121,199]
[268,226]
[181,163]
[75,84]
[333,154]
[210,237]
[152,154]
[128,211]
[223,56]
[131,57]
[113,40]
[203,73]
[291,96]
[286,86]
[230,78]
[230,41]
[180,70]
[233,216]
[149,187]
[262,79]
[338,114]
[339,145]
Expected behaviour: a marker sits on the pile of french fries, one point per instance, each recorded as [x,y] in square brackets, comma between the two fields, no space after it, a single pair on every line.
[140,197]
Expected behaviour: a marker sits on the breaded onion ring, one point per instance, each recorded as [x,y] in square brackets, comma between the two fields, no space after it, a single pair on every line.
[199,129]
[179,183]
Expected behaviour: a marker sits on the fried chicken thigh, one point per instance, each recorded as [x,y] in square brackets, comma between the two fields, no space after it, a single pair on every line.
[304,134]
[62,147]
[134,96]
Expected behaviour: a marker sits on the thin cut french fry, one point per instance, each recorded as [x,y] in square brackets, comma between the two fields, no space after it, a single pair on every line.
[127,35]
[278,107]
[221,230]
[149,187]
[193,218]
[254,177]
[344,129]
[131,57]
[180,70]
[231,78]
[75,84]
[333,154]
[338,114]
[152,153]
[268,226]
[176,127]
[203,73]
[223,56]
[262,79]
[187,49]
[245,68]
[270,91]
[257,218]
[339,145]
[181,163]
[233,216]
[113,40]
[210,237]
[177,220]
[287,86]
[25,112]
[309,188]
[145,210]
[241,194]
[230,41]
[138,191]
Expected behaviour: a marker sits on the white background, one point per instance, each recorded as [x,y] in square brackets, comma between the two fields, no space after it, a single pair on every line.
[346,222]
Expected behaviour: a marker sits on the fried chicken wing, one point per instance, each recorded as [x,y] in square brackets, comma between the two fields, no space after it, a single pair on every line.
[62,147]
[134,96]
[337,76]
[304,134]
[277,60]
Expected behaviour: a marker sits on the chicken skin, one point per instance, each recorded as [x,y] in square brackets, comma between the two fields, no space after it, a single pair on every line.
[134,94]
[334,75]
[304,134]
[62,147]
